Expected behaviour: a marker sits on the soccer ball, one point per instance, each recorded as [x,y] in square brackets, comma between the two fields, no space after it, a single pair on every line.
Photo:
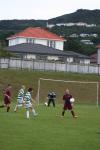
[72,100]
[46,104]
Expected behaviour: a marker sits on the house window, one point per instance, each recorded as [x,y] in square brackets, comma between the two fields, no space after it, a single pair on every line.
[30,40]
[51,43]
[41,57]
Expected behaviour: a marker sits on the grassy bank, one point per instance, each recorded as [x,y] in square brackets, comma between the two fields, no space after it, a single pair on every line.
[30,78]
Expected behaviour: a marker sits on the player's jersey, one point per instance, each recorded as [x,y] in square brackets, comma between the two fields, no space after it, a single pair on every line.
[7,96]
[51,95]
[20,96]
[28,97]
[66,98]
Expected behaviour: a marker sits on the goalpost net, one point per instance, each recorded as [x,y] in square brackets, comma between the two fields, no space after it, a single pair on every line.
[84,92]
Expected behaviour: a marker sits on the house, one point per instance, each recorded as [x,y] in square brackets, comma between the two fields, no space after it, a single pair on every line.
[42,52]
[93,58]
[87,42]
[37,35]
[98,54]
[40,44]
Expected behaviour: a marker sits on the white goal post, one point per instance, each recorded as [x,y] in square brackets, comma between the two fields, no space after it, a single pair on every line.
[68,81]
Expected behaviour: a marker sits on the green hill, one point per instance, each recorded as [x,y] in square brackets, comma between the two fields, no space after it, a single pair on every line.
[81,15]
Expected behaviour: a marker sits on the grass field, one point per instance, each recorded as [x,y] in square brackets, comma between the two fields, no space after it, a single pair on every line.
[49,131]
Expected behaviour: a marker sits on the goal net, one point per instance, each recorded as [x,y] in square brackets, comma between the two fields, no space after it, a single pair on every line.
[83,92]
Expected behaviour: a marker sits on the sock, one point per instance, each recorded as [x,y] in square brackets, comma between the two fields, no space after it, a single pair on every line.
[33,111]
[27,114]
[73,114]
[15,108]
[63,112]
[8,108]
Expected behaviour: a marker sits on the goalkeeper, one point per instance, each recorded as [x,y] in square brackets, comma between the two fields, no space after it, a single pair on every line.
[51,98]
[67,104]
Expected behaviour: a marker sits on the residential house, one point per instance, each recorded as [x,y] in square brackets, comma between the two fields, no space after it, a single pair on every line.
[37,35]
[98,54]
[87,42]
[40,44]
[42,52]
[93,58]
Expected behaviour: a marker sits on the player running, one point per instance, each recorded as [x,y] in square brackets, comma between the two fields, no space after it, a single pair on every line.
[20,98]
[67,104]
[28,103]
[7,97]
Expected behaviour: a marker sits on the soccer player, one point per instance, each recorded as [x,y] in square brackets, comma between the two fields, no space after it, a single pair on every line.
[67,104]
[7,97]
[20,98]
[28,103]
[51,98]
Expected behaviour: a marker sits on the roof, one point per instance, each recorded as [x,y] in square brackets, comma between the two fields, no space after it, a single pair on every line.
[93,58]
[34,48]
[98,46]
[37,32]
[77,54]
[41,49]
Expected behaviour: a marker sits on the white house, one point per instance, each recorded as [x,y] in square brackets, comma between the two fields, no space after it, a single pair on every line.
[37,35]
[40,44]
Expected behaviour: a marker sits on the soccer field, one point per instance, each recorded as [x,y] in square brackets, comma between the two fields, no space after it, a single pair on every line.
[49,131]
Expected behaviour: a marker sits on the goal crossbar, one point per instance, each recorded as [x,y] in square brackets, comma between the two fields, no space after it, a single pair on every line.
[69,81]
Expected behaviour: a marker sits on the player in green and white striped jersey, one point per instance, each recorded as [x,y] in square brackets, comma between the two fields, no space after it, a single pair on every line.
[20,98]
[28,103]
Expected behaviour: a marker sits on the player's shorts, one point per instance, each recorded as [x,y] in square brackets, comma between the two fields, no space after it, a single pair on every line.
[20,105]
[28,105]
[67,107]
[6,101]
[20,100]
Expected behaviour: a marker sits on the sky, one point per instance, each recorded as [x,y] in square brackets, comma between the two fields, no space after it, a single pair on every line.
[43,9]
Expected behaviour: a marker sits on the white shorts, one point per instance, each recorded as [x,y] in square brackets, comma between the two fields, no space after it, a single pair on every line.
[28,105]
[20,105]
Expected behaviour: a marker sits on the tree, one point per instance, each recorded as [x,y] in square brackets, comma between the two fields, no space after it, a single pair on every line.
[72,45]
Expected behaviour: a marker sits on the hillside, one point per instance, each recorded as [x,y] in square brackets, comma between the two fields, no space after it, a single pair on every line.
[81,15]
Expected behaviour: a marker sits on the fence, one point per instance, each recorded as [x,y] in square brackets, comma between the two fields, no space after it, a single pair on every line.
[15,63]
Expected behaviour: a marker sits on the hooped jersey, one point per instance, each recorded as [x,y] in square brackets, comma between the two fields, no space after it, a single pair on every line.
[20,95]
[28,97]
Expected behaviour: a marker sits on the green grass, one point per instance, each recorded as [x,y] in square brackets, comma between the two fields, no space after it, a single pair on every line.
[49,131]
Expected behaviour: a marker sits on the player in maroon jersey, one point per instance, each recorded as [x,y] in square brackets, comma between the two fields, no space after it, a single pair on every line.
[7,97]
[67,104]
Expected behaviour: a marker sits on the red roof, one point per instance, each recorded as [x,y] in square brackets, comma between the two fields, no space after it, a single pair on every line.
[37,32]
[98,46]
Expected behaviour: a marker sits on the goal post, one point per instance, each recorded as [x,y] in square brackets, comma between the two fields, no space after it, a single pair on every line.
[82,91]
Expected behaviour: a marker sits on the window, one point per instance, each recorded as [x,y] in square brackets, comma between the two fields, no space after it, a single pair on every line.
[41,57]
[30,40]
[51,43]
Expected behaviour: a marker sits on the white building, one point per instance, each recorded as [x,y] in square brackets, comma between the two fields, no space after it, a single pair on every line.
[37,35]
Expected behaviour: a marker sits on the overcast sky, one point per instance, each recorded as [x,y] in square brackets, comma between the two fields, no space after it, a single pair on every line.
[43,9]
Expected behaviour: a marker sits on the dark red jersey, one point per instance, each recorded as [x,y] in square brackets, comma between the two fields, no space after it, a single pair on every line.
[7,96]
[67,103]
[66,98]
